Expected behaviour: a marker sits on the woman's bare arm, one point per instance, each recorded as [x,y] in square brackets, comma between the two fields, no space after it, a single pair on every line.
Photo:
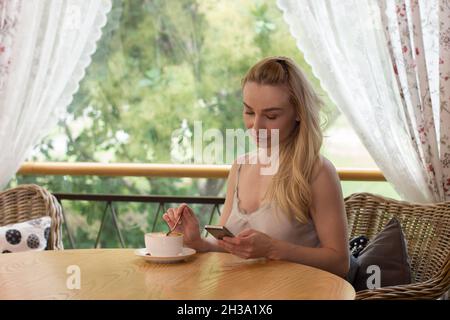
[328,214]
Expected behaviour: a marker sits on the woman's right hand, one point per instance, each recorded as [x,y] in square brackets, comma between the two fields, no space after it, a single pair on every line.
[188,225]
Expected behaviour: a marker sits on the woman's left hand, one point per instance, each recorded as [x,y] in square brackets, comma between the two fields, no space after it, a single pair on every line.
[248,244]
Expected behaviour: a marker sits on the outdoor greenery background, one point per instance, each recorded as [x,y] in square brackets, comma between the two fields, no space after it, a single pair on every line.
[160,66]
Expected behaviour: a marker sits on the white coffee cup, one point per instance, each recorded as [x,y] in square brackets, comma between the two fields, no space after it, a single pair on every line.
[160,245]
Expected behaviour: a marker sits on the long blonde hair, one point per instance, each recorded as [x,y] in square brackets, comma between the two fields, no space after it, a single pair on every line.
[290,187]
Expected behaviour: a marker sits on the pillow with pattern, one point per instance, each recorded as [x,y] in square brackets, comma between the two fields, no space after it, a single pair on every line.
[31,235]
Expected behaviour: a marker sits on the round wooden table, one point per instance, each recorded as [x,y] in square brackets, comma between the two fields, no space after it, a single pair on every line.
[120,274]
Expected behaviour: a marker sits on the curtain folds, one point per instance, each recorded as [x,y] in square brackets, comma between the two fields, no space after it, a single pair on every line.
[357,50]
[45,48]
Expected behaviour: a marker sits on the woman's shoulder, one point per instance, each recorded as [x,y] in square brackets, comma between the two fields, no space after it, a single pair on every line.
[246,159]
[323,170]
[326,189]
[240,160]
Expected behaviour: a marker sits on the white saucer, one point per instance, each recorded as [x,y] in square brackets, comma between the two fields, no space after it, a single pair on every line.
[187,252]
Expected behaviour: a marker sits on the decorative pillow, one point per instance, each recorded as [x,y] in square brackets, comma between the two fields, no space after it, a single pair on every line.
[357,244]
[352,272]
[388,251]
[25,236]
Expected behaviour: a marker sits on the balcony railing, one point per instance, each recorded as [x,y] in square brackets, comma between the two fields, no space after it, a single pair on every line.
[150,170]
[163,170]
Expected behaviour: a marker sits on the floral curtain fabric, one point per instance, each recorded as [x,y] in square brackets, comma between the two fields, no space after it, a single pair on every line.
[418,38]
[385,65]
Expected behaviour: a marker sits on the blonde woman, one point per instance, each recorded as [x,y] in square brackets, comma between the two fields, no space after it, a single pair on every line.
[297,214]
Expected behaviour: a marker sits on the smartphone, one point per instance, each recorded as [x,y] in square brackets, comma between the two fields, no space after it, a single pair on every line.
[219,232]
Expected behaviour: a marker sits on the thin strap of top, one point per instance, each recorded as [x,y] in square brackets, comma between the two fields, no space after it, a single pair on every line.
[236,188]
[237,182]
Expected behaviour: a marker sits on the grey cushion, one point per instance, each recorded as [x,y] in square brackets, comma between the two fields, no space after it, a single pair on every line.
[388,251]
[354,267]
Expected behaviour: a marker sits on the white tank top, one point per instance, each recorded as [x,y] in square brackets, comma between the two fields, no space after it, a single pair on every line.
[270,220]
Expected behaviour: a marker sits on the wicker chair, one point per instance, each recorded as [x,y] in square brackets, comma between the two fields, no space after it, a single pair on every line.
[30,201]
[427,232]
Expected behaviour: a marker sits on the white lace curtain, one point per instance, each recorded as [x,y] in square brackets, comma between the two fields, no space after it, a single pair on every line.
[45,47]
[352,46]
